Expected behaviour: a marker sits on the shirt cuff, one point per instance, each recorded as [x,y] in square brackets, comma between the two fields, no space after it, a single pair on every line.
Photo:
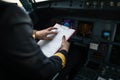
[62,54]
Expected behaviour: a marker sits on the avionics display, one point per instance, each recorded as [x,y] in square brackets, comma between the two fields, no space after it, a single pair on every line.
[84,29]
[69,23]
[117,34]
[63,21]
[106,35]
[115,55]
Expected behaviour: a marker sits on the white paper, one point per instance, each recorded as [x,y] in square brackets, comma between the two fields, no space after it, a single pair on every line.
[51,47]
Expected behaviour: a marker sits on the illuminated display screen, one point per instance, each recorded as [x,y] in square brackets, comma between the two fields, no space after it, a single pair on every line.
[115,55]
[69,23]
[84,29]
[106,35]
[117,34]
[63,21]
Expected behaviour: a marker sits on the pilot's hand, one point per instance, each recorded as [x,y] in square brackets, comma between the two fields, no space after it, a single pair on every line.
[65,44]
[43,34]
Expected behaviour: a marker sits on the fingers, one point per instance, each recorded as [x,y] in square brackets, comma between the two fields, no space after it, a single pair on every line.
[51,28]
[65,44]
[48,38]
[52,32]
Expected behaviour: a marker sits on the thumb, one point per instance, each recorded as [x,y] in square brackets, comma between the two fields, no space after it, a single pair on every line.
[63,38]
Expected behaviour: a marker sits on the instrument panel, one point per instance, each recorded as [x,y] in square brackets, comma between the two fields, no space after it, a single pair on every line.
[88,4]
[97,25]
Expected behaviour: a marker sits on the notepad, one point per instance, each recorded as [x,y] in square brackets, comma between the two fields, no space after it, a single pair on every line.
[49,48]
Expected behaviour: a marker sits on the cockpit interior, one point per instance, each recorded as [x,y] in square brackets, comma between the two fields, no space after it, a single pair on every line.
[95,47]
